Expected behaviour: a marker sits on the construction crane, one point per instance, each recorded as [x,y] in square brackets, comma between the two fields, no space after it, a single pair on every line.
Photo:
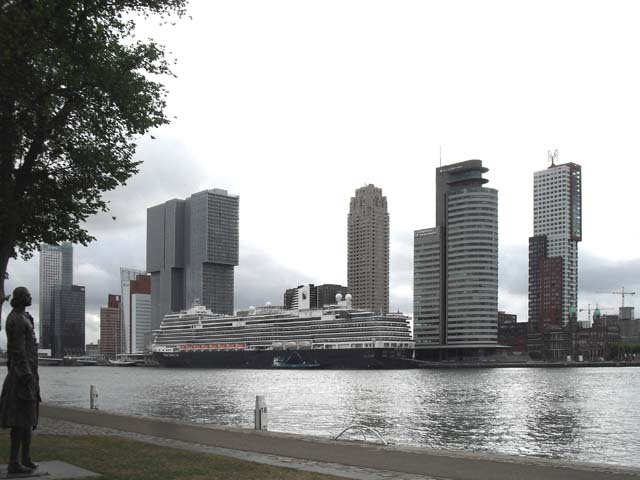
[588,309]
[623,293]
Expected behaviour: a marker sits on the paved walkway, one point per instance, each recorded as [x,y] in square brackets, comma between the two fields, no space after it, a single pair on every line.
[340,458]
[50,426]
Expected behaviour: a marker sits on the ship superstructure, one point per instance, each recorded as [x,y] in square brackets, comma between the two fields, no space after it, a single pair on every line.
[336,336]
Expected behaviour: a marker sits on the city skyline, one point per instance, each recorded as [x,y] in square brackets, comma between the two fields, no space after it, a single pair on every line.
[368,105]
[522,313]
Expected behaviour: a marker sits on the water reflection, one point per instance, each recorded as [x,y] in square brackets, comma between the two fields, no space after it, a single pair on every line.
[579,414]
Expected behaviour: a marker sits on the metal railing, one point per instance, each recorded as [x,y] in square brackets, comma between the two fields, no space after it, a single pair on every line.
[362,429]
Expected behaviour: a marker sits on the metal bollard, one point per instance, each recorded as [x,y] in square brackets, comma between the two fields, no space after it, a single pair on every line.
[260,413]
[93,397]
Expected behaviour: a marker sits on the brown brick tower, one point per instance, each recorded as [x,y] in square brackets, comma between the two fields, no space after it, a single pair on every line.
[368,250]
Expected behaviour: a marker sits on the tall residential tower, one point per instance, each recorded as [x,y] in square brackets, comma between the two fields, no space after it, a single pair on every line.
[455,293]
[56,269]
[192,249]
[553,249]
[368,250]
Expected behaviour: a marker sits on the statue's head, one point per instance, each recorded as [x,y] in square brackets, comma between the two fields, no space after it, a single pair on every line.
[21,297]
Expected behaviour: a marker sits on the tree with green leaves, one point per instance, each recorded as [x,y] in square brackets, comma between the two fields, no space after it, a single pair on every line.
[76,91]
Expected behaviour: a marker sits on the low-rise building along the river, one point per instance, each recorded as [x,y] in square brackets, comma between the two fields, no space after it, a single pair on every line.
[512,333]
[573,342]
[597,342]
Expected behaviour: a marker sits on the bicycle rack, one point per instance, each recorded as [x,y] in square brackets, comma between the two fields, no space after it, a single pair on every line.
[362,429]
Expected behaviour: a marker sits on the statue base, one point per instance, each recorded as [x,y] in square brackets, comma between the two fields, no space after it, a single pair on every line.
[53,470]
[38,472]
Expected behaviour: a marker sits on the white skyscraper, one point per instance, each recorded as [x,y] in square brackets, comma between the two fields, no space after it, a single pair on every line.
[557,229]
[140,321]
[126,276]
[455,294]
[56,269]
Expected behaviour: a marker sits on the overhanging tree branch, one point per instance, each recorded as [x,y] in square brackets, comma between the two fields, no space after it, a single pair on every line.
[74,90]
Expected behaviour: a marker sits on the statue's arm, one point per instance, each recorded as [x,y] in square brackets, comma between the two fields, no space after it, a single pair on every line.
[19,361]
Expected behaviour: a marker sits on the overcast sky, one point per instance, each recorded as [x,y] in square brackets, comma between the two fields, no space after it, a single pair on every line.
[292,105]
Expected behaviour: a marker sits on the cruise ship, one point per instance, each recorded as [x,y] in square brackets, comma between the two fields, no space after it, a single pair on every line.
[335,336]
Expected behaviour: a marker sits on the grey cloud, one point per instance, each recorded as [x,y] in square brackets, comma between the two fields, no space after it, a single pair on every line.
[167,171]
[598,274]
[260,279]
[401,265]
[513,269]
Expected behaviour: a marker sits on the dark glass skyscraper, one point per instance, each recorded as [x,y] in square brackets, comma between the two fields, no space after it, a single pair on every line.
[68,320]
[192,249]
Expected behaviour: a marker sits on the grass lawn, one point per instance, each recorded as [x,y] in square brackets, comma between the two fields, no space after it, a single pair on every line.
[117,458]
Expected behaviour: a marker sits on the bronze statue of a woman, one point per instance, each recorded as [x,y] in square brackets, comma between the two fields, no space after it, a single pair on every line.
[20,398]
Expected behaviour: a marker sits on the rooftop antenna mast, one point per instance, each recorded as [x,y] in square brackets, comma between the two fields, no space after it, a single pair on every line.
[440,154]
[553,157]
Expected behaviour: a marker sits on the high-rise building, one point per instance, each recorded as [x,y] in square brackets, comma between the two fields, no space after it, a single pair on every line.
[456,263]
[127,275]
[68,320]
[192,249]
[140,326]
[312,296]
[111,327]
[553,249]
[368,250]
[56,268]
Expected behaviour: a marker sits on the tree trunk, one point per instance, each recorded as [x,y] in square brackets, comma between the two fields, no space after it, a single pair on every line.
[5,255]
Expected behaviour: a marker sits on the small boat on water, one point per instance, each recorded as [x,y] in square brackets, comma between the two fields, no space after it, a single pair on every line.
[294,360]
[123,363]
[87,362]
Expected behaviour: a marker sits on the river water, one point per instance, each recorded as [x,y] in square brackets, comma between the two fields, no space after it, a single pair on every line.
[581,414]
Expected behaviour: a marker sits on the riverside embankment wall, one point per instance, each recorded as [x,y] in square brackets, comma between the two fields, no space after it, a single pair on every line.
[428,462]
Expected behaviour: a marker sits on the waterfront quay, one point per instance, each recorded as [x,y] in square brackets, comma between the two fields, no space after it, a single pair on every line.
[521,364]
[347,459]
